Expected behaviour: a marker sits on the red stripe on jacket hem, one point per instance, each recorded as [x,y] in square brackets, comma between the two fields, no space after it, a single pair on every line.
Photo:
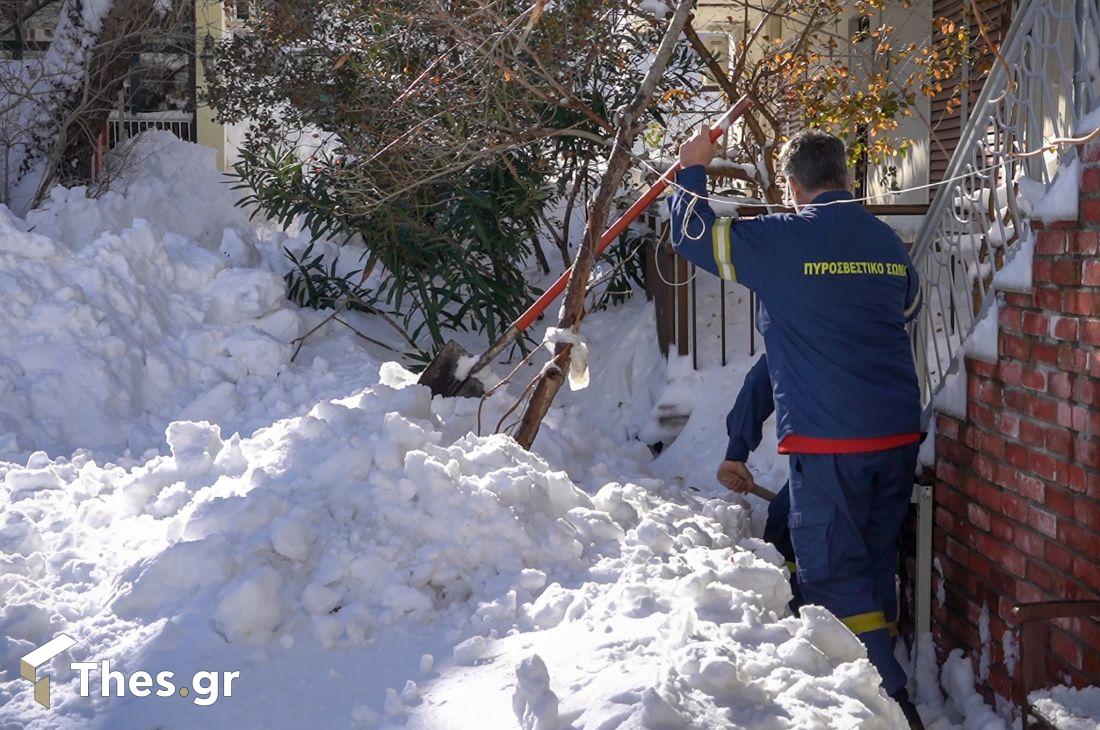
[794,444]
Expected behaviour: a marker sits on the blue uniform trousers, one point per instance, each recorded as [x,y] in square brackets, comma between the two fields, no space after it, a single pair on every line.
[846,517]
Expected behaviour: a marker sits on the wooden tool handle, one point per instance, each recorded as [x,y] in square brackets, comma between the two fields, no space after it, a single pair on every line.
[764,494]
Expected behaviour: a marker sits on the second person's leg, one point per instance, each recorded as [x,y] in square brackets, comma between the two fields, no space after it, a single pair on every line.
[777,531]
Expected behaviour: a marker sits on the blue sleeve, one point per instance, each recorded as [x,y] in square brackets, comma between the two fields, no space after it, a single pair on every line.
[745,423]
[913,297]
[734,250]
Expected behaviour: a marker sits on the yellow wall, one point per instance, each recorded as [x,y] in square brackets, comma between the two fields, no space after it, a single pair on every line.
[209,19]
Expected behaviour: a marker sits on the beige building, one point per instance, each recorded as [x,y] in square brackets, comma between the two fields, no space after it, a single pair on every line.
[721,22]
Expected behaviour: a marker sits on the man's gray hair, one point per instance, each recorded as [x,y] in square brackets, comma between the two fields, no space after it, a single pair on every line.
[816,160]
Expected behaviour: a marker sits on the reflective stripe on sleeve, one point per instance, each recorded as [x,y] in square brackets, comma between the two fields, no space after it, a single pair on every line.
[721,235]
[892,627]
[792,566]
[865,622]
[916,303]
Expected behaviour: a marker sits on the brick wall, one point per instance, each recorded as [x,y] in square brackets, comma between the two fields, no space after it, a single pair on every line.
[1017,484]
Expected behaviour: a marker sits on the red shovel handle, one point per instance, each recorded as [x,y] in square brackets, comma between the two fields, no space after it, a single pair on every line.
[640,206]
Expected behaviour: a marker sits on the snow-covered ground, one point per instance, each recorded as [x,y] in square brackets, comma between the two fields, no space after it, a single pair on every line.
[180,496]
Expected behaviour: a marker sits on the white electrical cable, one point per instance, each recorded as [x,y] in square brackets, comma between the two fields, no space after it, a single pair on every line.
[962,176]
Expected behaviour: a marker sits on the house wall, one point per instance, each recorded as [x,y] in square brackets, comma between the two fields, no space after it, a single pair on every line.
[951,108]
[1017,482]
[912,23]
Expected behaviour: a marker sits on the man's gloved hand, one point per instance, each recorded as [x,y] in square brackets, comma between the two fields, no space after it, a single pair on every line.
[734,475]
[698,150]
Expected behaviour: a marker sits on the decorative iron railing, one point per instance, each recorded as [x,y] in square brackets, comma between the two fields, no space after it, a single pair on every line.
[1045,76]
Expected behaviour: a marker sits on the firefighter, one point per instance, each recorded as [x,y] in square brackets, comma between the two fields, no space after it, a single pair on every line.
[838,288]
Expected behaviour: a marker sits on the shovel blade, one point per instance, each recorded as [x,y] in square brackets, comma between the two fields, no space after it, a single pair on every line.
[442,374]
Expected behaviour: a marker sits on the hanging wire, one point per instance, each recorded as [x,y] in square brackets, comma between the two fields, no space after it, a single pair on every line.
[657,264]
[962,176]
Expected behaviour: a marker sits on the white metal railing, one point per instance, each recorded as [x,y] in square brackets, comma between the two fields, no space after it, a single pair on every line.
[1046,77]
[124,126]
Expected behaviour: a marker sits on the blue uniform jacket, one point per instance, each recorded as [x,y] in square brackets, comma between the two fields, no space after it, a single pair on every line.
[745,423]
[839,289]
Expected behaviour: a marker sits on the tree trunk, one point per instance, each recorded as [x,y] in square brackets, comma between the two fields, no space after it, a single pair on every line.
[573,308]
[540,256]
[17,30]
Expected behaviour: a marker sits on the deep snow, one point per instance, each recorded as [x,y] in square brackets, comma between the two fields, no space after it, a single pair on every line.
[180,496]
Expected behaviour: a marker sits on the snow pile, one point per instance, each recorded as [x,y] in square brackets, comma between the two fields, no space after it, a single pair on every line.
[1068,708]
[340,522]
[685,626]
[124,312]
[174,185]
[1055,202]
[964,704]
[329,531]
[326,527]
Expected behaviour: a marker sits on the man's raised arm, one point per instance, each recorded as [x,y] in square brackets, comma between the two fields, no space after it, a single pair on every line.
[733,251]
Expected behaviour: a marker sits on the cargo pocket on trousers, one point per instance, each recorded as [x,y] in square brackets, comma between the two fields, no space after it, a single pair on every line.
[810,528]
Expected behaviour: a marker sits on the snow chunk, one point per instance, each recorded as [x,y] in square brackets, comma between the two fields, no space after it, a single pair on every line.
[657,8]
[471,650]
[249,609]
[243,293]
[1015,275]
[535,704]
[982,343]
[1061,199]
[194,446]
[952,399]
[427,662]
[1089,123]
[291,537]
[831,637]
[147,304]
